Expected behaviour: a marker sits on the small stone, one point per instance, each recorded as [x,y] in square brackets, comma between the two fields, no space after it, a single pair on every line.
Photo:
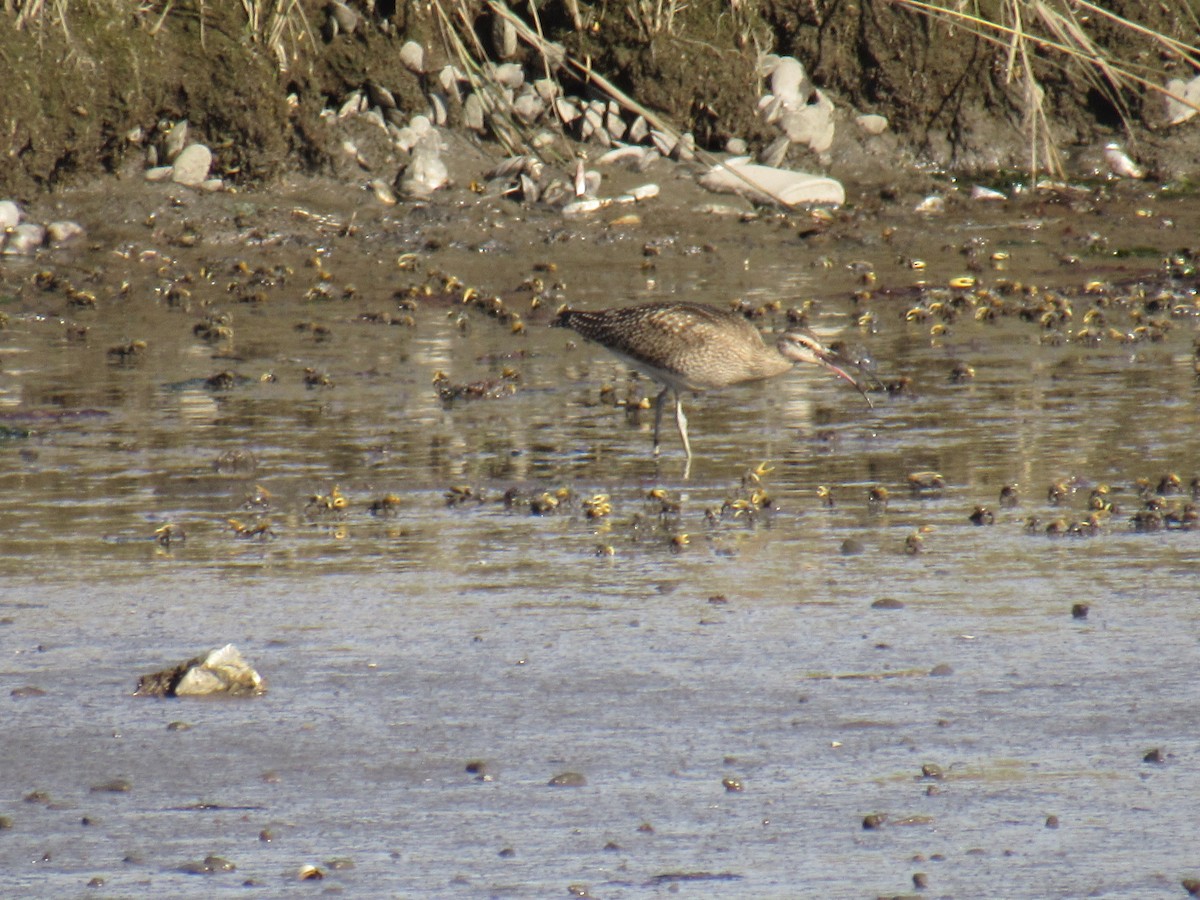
[871,125]
[159,173]
[507,853]
[735,146]
[27,691]
[96,882]
[932,770]
[733,785]
[941,670]
[1155,756]
[1192,886]
[24,239]
[645,828]
[567,779]
[888,603]
[412,55]
[176,140]
[310,873]
[192,165]
[10,215]
[179,726]
[266,836]
[852,547]
[61,232]
[115,786]
[1051,821]
[920,880]
[40,797]
[6,823]
[874,821]
[1079,611]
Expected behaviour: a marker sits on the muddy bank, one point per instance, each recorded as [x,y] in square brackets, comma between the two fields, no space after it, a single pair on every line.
[96,85]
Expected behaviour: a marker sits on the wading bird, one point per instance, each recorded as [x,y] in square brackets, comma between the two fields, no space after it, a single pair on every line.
[695,347]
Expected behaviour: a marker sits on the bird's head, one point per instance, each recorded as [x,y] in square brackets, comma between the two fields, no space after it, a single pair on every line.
[802,346]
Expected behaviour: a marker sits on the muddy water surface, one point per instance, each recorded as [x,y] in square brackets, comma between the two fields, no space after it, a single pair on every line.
[741,672]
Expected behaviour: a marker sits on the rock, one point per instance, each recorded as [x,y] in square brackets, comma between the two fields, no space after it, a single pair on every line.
[346,19]
[736,146]
[979,192]
[567,779]
[412,55]
[159,173]
[61,232]
[504,36]
[811,125]
[472,113]
[440,106]
[1182,109]
[1120,164]
[765,184]
[789,82]
[222,671]
[510,75]
[426,172]
[24,239]
[528,107]
[175,140]
[10,215]
[871,125]
[192,165]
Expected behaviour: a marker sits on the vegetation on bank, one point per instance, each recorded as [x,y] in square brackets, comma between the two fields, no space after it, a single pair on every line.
[976,85]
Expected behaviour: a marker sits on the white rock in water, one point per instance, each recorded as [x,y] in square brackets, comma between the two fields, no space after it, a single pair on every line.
[775,152]
[1182,109]
[871,124]
[587,205]
[1120,164]
[644,191]
[504,36]
[979,192]
[223,671]
[547,89]
[61,232]
[212,185]
[159,173]
[24,239]
[176,140]
[192,165]
[771,185]
[685,150]
[933,205]
[736,146]
[412,55]
[10,215]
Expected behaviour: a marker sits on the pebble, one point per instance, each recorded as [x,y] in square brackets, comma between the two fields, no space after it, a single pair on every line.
[115,786]
[412,55]
[159,173]
[24,239]
[567,779]
[872,125]
[176,140]
[27,691]
[61,232]
[192,165]
[10,215]
[888,603]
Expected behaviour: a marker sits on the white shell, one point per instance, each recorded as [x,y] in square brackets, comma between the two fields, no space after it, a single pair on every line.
[412,55]
[768,184]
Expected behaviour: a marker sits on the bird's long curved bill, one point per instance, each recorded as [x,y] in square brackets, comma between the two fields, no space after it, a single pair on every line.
[828,363]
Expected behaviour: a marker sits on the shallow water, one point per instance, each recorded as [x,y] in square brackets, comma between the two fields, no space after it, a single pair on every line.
[399,647]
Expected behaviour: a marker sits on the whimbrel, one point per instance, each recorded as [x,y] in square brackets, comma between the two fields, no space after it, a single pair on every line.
[695,347]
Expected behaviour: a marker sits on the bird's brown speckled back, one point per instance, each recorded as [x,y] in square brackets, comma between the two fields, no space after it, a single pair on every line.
[690,346]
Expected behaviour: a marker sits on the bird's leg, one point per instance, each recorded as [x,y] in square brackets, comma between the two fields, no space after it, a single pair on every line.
[681,421]
[658,408]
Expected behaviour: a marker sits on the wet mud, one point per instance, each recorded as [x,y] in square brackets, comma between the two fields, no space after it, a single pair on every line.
[944,643]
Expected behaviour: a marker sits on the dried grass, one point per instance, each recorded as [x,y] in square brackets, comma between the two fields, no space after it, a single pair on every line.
[1057,32]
